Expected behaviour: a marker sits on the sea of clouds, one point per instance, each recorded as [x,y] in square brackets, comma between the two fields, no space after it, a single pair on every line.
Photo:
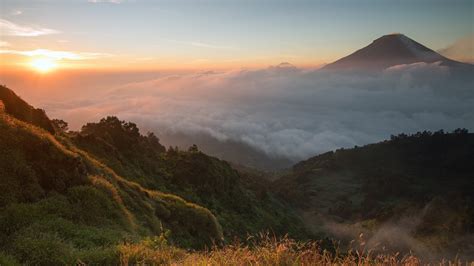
[285,111]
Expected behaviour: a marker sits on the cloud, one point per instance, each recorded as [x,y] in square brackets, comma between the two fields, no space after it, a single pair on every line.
[12,29]
[57,55]
[17,12]
[4,44]
[288,112]
[461,50]
[401,232]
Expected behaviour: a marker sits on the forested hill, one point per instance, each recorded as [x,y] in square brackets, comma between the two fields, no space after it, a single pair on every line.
[241,203]
[427,163]
[77,196]
[425,178]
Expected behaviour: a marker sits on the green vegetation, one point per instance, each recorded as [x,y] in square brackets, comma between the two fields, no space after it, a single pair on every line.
[59,205]
[242,204]
[15,106]
[75,196]
[425,178]
[108,195]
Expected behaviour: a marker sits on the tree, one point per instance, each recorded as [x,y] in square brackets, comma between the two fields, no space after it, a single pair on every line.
[60,125]
[154,141]
[461,131]
[193,148]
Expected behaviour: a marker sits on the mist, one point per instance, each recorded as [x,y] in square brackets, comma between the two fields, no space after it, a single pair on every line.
[283,111]
[401,233]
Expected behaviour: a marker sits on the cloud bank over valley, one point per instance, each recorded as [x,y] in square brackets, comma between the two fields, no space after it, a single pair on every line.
[284,111]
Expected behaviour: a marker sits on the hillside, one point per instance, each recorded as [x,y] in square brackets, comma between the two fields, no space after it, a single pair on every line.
[230,150]
[76,196]
[412,192]
[58,200]
[15,106]
[108,194]
[242,202]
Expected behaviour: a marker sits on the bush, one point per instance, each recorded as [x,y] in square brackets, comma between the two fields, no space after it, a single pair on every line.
[99,256]
[78,235]
[92,206]
[37,248]
[7,260]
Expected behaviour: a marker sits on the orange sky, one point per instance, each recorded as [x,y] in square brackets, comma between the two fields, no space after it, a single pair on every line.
[134,35]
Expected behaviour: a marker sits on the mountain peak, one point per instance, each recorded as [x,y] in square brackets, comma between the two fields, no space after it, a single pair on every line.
[393,35]
[397,37]
[389,50]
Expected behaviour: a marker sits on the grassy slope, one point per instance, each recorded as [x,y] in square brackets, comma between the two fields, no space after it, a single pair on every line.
[73,196]
[58,204]
[264,250]
[15,106]
[242,203]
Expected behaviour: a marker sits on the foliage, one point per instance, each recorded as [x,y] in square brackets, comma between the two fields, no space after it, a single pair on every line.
[59,205]
[240,208]
[8,260]
[39,248]
[60,125]
[109,195]
[403,177]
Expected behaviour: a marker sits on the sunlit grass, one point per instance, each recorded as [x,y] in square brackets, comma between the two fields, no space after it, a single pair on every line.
[266,250]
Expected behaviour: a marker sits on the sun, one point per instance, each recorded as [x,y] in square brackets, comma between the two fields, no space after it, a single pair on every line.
[43,65]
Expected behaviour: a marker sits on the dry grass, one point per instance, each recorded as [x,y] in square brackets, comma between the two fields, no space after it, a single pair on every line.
[264,250]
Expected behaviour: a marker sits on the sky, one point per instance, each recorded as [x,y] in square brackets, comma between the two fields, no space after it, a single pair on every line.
[217,69]
[139,35]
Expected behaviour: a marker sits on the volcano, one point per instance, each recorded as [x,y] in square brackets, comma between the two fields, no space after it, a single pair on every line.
[390,50]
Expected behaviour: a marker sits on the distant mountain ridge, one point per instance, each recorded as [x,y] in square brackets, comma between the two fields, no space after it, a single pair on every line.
[390,50]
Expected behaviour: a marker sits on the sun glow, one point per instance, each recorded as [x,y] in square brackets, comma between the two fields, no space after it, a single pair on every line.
[43,65]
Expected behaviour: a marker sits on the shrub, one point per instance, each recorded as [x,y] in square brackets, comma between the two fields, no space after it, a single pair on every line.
[99,256]
[7,260]
[37,248]
[92,206]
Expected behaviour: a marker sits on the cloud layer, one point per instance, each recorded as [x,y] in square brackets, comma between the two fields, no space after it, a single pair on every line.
[13,29]
[288,112]
[462,49]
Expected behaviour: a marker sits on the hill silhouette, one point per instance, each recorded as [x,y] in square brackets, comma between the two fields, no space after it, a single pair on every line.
[15,106]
